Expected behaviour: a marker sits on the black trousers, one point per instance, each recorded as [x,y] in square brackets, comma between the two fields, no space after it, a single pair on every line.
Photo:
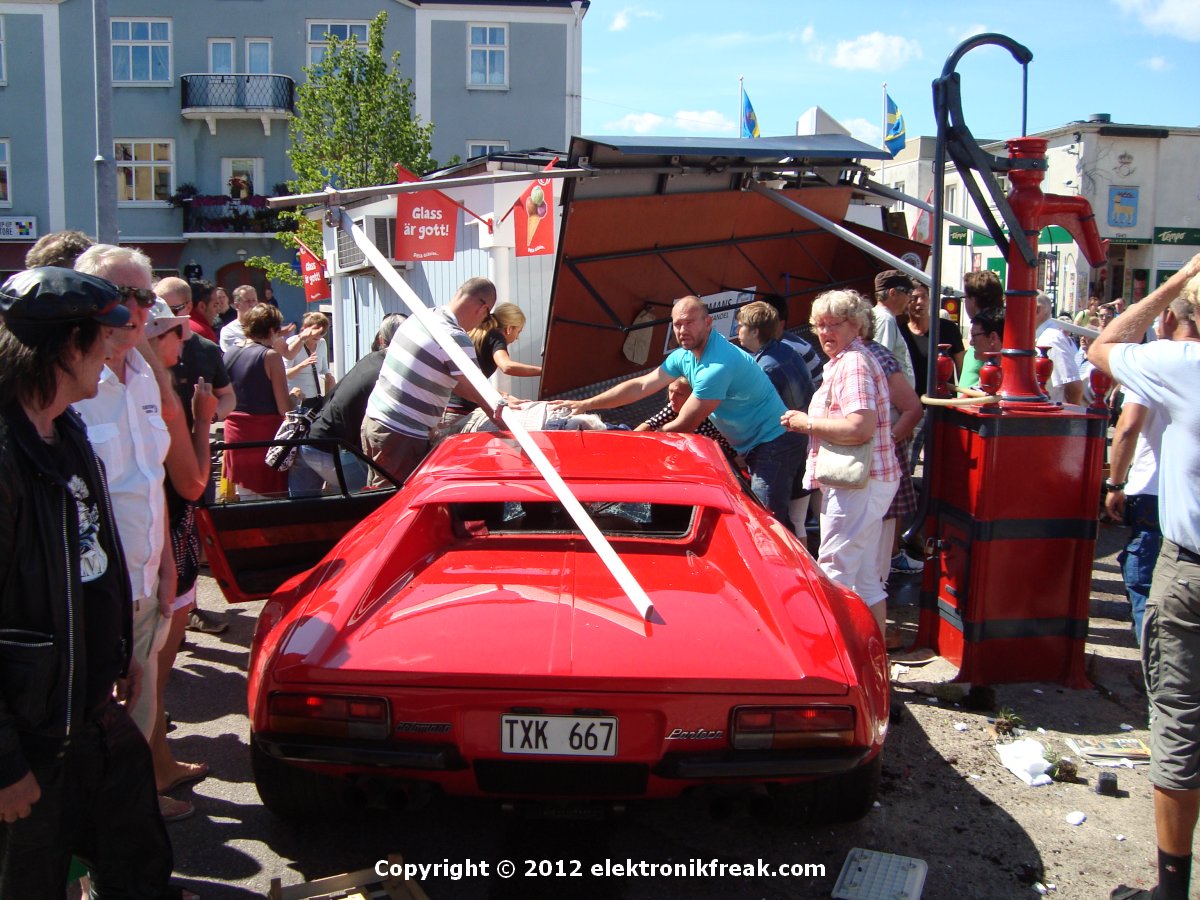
[98,803]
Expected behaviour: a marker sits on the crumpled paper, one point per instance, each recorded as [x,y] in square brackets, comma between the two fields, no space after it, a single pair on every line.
[1026,759]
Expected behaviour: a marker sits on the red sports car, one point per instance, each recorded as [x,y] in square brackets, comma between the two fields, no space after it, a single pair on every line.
[461,633]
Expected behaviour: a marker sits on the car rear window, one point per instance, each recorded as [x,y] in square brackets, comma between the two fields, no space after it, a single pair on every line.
[616,518]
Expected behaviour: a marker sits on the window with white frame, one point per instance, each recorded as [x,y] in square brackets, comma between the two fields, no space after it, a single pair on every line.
[243,175]
[319,34]
[3,71]
[898,186]
[220,56]
[145,170]
[487,55]
[258,56]
[141,51]
[5,180]
[485,148]
[951,199]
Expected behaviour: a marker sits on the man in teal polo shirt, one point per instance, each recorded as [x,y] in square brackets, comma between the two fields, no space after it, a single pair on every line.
[728,386]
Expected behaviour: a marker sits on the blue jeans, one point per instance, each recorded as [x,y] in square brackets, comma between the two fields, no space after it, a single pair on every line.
[1138,558]
[314,468]
[773,467]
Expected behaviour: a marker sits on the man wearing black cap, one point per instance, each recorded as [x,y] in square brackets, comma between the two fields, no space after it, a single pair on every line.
[75,773]
[892,291]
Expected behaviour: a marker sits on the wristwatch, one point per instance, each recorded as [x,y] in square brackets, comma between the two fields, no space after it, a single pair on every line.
[1115,485]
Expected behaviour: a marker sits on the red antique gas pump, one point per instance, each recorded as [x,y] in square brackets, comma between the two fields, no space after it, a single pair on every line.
[1011,487]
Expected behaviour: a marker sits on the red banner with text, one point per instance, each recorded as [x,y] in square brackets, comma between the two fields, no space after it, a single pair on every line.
[426,223]
[312,270]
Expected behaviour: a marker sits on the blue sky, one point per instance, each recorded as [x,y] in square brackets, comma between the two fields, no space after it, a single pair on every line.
[671,67]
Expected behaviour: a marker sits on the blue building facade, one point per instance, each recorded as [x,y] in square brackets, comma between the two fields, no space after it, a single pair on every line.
[200,101]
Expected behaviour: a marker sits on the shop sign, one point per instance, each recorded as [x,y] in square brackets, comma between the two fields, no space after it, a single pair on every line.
[1177,236]
[18,228]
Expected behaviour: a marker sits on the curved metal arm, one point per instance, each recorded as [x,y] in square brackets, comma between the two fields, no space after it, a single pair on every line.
[1020,52]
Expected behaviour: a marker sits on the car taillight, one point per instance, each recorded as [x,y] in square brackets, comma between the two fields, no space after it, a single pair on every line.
[330,716]
[785,727]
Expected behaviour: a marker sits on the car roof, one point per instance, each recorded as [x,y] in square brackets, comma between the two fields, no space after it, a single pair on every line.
[598,456]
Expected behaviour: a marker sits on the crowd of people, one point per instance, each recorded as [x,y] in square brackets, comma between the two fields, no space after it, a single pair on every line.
[110,384]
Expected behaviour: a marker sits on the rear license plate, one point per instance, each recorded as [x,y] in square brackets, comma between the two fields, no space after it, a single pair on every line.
[559,735]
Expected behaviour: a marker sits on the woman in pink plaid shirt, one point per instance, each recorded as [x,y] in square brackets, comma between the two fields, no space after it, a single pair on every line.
[851,407]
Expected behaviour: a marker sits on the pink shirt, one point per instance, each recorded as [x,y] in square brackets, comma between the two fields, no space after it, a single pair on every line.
[854,382]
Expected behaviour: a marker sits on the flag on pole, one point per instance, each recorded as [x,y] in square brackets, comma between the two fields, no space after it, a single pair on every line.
[749,119]
[893,137]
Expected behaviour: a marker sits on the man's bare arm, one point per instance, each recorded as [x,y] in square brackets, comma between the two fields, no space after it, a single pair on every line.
[691,415]
[621,394]
[1130,326]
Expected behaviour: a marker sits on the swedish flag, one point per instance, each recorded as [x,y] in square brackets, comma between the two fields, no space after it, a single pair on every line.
[749,119]
[894,139]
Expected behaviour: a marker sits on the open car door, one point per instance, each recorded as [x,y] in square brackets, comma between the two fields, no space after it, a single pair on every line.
[255,545]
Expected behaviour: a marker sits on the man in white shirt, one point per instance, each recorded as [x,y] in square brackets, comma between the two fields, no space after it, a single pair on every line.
[1065,385]
[892,292]
[126,425]
[1165,374]
[245,298]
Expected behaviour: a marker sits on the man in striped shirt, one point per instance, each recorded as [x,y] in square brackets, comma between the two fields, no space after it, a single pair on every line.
[416,382]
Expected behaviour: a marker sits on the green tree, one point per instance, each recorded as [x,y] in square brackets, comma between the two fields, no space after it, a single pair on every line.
[354,121]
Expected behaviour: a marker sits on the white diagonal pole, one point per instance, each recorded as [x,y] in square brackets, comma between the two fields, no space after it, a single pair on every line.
[467,366]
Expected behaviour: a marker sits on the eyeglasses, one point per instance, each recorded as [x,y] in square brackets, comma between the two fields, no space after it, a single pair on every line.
[902,289]
[144,296]
[978,334]
[178,309]
[830,325]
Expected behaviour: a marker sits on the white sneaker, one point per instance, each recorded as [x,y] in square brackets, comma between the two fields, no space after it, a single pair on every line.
[903,564]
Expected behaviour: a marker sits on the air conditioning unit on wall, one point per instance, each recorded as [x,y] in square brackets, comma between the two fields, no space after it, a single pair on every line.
[350,258]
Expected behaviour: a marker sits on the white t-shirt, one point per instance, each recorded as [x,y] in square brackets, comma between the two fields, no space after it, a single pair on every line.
[1062,352]
[231,334]
[1165,374]
[887,333]
[126,427]
[304,379]
[1143,472]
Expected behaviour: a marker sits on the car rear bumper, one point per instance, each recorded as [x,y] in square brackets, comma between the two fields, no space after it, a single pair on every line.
[412,758]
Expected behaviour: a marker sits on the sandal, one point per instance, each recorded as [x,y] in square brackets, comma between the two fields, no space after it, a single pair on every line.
[192,772]
[173,810]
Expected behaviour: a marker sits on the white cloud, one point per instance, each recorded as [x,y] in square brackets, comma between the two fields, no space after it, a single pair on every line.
[864,130]
[875,52]
[625,17]
[808,35]
[684,121]
[1157,64]
[635,123]
[708,121]
[1178,18]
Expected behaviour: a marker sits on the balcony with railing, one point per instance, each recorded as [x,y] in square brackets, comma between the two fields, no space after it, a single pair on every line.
[213,97]
[214,215]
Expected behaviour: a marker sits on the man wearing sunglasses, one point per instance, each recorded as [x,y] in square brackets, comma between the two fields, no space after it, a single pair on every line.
[892,292]
[127,425]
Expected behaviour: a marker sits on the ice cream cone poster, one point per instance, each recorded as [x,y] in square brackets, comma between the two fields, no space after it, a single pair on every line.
[426,223]
[534,221]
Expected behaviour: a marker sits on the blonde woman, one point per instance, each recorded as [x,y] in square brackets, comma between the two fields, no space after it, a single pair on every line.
[852,406]
[492,338]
